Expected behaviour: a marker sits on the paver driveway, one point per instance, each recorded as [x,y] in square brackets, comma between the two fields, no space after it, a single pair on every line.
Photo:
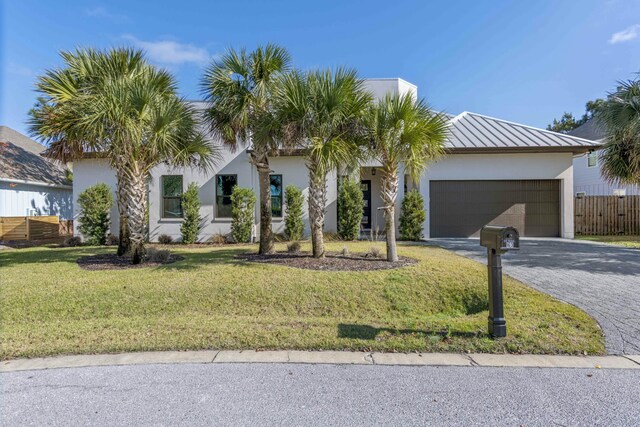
[603,280]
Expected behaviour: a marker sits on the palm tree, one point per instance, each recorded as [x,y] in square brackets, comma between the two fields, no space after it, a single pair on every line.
[320,112]
[115,105]
[402,130]
[619,116]
[238,88]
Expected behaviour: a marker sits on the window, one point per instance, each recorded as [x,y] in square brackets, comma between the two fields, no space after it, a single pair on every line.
[172,196]
[592,159]
[224,187]
[276,195]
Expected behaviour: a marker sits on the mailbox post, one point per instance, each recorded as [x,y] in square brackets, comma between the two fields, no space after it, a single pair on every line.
[497,240]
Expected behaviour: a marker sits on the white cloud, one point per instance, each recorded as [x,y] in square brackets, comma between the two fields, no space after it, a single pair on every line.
[171,52]
[101,12]
[625,35]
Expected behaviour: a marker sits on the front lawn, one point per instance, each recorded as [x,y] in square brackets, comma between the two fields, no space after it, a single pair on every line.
[626,241]
[212,300]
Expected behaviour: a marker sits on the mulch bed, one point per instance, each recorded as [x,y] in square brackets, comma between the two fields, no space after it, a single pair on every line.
[115,262]
[331,261]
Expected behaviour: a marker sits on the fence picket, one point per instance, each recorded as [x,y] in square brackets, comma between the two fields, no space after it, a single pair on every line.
[607,215]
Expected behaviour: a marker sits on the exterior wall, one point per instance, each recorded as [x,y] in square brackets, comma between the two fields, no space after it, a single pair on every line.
[507,166]
[29,199]
[588,179]
[380,87]
[293,170]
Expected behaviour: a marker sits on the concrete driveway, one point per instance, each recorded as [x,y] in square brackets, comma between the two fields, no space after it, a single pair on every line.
[603,280]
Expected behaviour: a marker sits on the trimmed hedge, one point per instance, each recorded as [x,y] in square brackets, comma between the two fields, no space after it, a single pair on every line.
[293,223]
[350,206]
[412,216]
[243,201]
[191,212]
[95,208]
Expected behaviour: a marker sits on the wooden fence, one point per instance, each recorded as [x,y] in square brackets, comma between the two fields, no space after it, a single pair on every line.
[607,215]
[29,227]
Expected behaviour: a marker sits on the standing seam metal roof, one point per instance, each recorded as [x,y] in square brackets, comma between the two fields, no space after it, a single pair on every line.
[471,130]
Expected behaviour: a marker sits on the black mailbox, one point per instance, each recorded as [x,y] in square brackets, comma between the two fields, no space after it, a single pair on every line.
[497,240]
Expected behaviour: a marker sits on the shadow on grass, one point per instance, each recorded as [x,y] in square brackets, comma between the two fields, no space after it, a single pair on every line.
[368,332]
[10,258]
[192,260]
[195,260]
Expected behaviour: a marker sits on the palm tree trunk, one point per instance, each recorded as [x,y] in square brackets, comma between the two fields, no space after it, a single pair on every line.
[389,193]
[317,203]
[264,183]
[137,196]
[124,244]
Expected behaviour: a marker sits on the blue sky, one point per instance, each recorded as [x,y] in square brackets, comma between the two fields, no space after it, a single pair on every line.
[525,61]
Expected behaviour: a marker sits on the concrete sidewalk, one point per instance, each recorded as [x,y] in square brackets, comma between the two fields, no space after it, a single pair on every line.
[324,357]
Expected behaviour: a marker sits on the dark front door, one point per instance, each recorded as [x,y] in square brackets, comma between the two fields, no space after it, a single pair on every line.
[366,211]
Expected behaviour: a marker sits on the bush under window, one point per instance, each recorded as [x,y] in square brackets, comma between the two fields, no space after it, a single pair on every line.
[191,213]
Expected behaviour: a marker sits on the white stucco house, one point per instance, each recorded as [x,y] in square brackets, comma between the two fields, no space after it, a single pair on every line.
[587,178]
[31,184]
[495,172]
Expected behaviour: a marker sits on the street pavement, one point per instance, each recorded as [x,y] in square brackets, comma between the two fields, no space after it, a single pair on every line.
[297,394]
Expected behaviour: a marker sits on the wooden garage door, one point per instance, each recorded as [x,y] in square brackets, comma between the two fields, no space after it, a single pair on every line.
[462,208]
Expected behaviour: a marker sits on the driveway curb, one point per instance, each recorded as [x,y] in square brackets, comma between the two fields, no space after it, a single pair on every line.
[324,357]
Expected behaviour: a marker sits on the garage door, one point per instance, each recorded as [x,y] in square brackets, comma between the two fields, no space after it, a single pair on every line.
[462,208]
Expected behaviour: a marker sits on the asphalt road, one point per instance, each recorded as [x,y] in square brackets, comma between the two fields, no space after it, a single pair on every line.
[286,394]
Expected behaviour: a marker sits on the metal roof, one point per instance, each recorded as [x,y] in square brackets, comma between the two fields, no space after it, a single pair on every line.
[471,131]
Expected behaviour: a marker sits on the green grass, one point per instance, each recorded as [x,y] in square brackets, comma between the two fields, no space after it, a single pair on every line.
[48,306]
[626,241]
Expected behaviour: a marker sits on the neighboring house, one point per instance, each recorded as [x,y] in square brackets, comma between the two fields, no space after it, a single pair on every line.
[587,178]
[31,184]
[495,172]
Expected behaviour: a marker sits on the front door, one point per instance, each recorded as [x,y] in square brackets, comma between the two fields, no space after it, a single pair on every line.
[365,184]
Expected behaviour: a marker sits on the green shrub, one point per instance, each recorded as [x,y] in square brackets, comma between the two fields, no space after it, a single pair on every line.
[243,201]
[293,223]
[350,205]
[191,211]
[412,216]
[95,205]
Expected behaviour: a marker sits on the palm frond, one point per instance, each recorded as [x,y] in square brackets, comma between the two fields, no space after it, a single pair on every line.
[116,103]
[321,112]
[619,115]
[405,130]
[237,88]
